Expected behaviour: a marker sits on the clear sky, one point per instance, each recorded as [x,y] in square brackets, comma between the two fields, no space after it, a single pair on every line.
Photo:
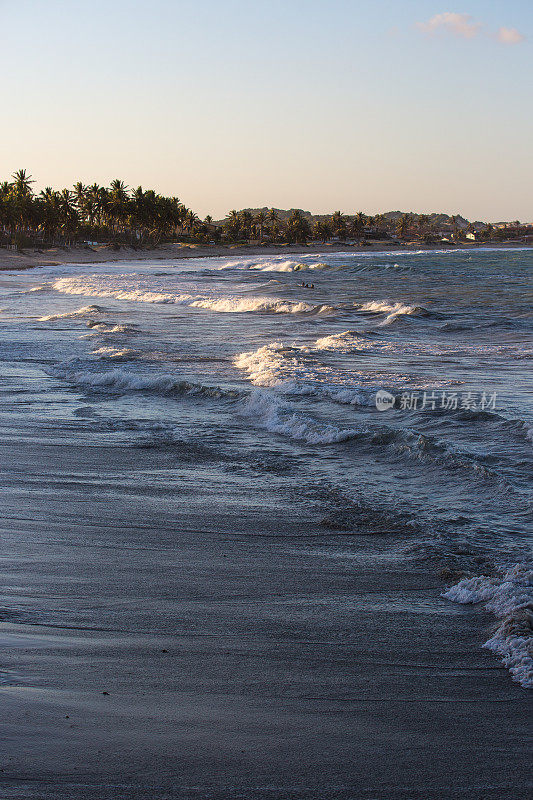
[370,105]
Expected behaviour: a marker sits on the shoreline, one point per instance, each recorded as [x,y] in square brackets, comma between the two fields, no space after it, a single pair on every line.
[15,260]
[198,606]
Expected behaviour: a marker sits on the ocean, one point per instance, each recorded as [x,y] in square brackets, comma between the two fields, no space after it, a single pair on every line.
[332,416]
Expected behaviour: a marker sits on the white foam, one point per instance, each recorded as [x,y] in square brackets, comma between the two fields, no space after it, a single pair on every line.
[109,286]
[289,266]
[274,265]
[283,368]
[113,352]
[392,310]
[268,365]
[95,286]
[269,412]
[347,342]
[78,313]
[122,380]
[102,327]
[510,597]
[233,305]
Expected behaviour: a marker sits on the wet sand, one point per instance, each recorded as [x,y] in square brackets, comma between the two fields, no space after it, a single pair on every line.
[11,259]
[169,633]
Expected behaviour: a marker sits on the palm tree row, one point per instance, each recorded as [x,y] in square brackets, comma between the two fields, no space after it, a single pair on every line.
[297,228]
[112,213]
[140,217]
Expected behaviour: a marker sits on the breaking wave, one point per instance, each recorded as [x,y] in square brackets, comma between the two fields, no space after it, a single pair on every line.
[275,266]
[91,286]
[509,596]
[297,370]
[270,365]
[347,342]
[106,327]
[80,312]
[392,310]
[353,341]
[269,412]
[272,305]
[114,353]
[133,290]
[124,381]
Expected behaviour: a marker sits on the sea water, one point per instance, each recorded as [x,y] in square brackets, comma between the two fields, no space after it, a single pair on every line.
[239,364]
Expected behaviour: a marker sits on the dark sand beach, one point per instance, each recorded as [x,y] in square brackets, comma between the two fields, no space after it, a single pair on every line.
[225,663]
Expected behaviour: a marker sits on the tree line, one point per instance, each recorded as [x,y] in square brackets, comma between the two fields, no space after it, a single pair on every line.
[137,217]
[297,228]
[112,214]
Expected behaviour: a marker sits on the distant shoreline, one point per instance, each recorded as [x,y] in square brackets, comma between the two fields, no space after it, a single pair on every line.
[28,259]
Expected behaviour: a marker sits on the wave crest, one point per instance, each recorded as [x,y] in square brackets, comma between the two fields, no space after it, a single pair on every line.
[80,312]
[124,381]
[393,310]
[272,305]
[270,413]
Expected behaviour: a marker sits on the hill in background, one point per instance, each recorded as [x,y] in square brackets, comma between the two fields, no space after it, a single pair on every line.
[389,219]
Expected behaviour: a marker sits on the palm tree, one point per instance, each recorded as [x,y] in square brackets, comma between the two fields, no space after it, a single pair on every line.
[114,211]
[272,222]
[423,224]
[259,223]
[322,231]
[488,233]
[81,198]
[92,204]
[404,225]
[21,203]
[338,224]
[191,219]
[22,183]
[246,223]
[298,228]
[232,225]
[117,207]
[68,212]
[7,211]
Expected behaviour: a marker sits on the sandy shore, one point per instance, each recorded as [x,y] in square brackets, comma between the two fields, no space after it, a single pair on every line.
[10,259]
[199,654]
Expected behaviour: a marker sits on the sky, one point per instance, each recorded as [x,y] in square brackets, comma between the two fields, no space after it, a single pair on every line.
[408,105]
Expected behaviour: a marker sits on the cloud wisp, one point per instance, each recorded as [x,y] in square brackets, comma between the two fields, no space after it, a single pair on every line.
[464,26]
[457,24]
[510,36]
